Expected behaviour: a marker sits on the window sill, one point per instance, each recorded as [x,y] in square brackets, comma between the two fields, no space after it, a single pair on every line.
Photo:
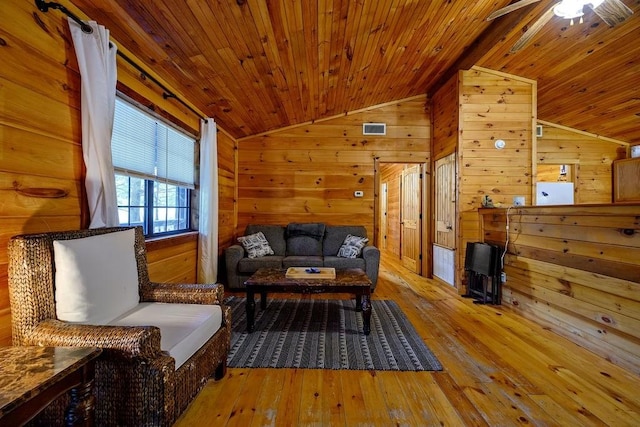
[156,243]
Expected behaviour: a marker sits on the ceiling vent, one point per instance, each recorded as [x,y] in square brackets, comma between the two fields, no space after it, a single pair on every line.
[374,128]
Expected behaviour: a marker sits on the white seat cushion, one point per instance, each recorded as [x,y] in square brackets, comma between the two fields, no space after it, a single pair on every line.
[184,328]
[96,277]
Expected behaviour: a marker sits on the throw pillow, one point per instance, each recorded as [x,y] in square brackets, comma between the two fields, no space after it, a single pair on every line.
[256,245]
[96,278]
[352,246]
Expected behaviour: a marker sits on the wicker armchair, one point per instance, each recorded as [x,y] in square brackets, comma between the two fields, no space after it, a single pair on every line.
[136,383]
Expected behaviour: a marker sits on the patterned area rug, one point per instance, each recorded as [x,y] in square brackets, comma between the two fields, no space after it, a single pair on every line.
[326,334]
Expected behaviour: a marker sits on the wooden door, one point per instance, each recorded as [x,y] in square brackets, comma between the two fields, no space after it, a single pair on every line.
[383,215]
[444,242]
[410,213]
[393,214]
[445,212]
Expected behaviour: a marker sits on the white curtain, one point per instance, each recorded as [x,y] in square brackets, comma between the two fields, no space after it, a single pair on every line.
[97,63]
[208,215]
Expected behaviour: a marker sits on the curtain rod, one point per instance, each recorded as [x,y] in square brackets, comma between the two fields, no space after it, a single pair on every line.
[166,93]
[44,7]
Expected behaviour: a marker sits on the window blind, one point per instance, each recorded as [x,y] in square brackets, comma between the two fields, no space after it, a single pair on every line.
[148,148]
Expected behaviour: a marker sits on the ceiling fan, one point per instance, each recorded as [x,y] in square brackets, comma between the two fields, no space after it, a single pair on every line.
[612,12]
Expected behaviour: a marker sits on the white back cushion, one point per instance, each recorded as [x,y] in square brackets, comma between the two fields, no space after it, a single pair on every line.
[96,278]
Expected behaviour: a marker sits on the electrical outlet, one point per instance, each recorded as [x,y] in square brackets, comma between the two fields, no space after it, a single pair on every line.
[503,277]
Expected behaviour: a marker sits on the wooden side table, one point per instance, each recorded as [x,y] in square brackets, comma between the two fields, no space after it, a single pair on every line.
[32,377]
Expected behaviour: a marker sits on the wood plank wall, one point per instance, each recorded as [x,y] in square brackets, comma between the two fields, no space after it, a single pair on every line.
[39,132]
[446,129]
[494,106]
[40,139]
[490,106]
[173,260]
[446,119]
[575,269]
[227,215]
[309,173]
[590,156]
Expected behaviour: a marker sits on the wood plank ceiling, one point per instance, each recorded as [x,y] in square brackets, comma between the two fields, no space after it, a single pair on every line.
[258,65]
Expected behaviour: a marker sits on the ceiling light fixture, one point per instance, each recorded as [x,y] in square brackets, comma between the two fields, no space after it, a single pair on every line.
[570,9]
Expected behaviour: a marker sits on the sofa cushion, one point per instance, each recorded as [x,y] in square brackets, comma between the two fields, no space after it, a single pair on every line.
[184,328]
[302,261]
[335,235]
[304,246]
[352,246]
[341,263]
[309,229]
[274,235]
[96,277]
[251,265]
[304,239]
[256,245]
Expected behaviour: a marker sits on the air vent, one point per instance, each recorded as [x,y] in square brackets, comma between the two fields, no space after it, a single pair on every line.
[539,131]
[374,128]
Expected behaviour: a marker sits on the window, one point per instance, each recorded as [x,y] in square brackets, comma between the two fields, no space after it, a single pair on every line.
[154,168]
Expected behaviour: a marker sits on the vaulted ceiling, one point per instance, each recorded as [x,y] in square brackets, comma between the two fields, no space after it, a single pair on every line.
[258,65]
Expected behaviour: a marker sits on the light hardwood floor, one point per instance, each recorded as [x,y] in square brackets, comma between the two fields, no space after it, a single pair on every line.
[499,370]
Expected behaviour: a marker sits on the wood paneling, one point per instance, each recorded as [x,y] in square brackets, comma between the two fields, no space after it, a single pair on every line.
[227,207]
[446,119]
[589,156]
[576,270]
[259,66]
[173,259]
[587,73]
[39,132]
[480,127]
[489,106]
[309,173]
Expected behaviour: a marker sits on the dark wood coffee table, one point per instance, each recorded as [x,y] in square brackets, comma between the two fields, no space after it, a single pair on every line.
[273,280]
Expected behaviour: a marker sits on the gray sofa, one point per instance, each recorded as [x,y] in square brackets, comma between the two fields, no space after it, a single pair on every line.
[301,245]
